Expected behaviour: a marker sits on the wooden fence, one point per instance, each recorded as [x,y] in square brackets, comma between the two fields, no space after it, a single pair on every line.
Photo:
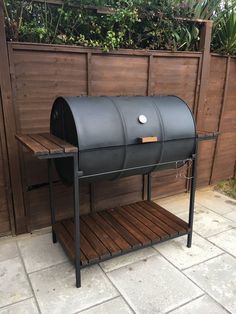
[33,75]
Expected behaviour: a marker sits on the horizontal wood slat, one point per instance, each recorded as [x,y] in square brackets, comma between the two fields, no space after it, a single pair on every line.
[44,144]
[32,145]
[67,147]
[118,230]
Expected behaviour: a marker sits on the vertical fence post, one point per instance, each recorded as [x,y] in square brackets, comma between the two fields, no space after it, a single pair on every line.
[146,179]
[221,119]
[10,130]
[205,46]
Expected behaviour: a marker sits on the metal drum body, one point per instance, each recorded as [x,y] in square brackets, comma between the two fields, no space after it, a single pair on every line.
[107,131]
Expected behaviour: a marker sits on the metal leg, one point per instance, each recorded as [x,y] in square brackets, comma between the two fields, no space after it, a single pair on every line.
[149,187]
[77,221]
[192,199]
[51,200]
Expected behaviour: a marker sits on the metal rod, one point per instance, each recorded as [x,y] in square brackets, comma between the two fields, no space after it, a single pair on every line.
[149,187]
[134,168]
[51,200]
[192,197]
[77,221]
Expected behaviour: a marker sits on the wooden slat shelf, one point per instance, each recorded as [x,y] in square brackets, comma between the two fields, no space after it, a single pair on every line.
[119,230]
[45,144]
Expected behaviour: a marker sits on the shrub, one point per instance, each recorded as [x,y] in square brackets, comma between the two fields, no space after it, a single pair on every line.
[133,23]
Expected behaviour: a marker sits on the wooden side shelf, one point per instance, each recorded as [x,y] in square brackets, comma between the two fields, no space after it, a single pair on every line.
[45,144]
[116,231]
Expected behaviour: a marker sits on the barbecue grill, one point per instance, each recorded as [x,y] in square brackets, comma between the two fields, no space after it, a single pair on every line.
[113,134]
[106,138]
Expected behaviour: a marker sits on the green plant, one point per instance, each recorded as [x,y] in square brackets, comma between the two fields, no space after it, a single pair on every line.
[227,187]
[141,24]
[224,32]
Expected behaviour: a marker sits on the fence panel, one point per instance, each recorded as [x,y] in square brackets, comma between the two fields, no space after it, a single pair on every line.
[40,73]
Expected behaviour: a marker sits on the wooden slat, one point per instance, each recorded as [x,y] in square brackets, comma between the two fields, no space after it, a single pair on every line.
[67,147]
[120,229]
[130,227]
[117,238]
[52,147]
[88,250]
[32,145]
[161,215]
[151,225]
[165,227]
[140,225]
[9,115]
[65,240]
[177,220]
[148,139]
[101,235]
[94,241]
[115,231]
[69,226]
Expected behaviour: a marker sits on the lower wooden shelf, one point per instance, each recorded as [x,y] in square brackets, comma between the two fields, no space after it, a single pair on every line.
[119,230]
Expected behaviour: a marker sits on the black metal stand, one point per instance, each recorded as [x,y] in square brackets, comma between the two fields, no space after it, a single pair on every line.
[192,196]
[77,221]
[51,200]
[77,174]
[149,187]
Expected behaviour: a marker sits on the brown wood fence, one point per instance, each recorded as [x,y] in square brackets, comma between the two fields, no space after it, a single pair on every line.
[38,73]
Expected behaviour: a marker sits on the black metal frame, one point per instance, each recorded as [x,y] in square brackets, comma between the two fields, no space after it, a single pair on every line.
[79,175]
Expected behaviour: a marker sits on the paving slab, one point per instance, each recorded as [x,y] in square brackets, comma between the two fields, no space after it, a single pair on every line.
[231,216]
[226,240]
[14,285]
[127,259]
[153,285]
[115,306]
[8,248]
[208,223]
[178,254]
[176,204]
[24,307]
[218,278]
[215,201]
[55,289]
[202,305]
[39,252]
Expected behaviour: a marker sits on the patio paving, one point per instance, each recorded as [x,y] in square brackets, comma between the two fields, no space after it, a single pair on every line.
[37,277]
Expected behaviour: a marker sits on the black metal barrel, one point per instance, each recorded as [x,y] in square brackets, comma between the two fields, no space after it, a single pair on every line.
[116,133]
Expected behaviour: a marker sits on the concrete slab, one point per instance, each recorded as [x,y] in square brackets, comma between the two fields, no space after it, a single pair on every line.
[218,278]
[179,201]
[24,307]
[39,252]
[8,248]
[215,201]
[153,285]
[115,306]
[182,257]
[226,240]
[208,223]
[231,216]
[55,288]
[14,285]
[202,305]
[127,259]
[177,204]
